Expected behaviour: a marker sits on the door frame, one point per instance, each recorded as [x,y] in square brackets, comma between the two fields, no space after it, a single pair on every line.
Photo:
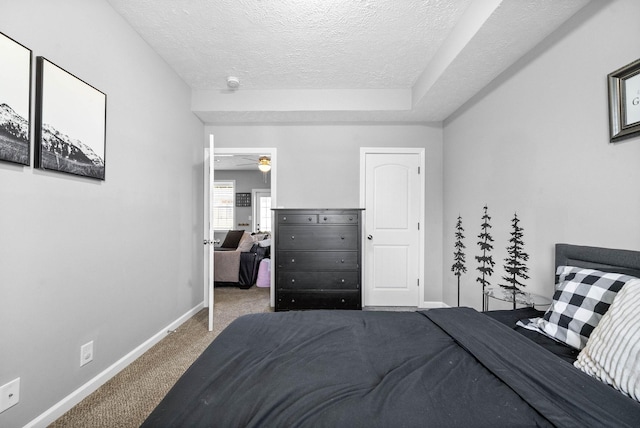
[272,152]
[207,233]
[364,151]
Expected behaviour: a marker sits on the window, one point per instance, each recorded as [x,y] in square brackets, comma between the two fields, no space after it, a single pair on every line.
[222,204]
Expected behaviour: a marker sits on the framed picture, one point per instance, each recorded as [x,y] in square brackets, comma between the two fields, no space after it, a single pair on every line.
[243,199]
[624,101]
[15,101]
[71,118]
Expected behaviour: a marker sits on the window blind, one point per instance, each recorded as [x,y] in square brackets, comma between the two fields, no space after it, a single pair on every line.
[223,201]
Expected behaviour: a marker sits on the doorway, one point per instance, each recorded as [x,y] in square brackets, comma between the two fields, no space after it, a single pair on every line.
[392,193]
[213,168]
[262,218]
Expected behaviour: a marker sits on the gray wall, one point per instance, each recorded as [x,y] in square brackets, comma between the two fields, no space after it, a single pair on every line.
[80,260]
[536,142]
[318,167]
[245,182]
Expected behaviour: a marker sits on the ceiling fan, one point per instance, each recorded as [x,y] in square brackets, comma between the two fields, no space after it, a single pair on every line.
[263,162]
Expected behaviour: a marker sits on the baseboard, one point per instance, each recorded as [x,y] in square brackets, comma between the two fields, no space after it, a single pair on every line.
[85,390]
[433,305]
[423,305]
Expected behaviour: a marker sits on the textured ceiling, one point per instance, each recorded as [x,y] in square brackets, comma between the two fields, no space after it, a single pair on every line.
[340,60]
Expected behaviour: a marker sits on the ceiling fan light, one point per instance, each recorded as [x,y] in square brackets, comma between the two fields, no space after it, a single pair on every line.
[264,164]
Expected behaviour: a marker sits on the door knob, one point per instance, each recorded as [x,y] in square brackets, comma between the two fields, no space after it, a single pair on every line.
[369,237]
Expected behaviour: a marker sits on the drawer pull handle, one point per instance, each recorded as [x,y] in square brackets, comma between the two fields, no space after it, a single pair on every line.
[284,219]
[293,280]
[350,218]
[310,219]
[342,280]
[293,237]
[342,237]
[325,219]
[342,261]
[342,300]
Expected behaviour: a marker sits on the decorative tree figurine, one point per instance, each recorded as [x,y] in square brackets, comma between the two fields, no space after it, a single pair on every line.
[486,259]
[514,265]
[458,267]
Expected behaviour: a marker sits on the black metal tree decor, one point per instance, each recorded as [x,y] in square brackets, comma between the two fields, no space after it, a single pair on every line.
[514,265]
[486,259]
[458,267]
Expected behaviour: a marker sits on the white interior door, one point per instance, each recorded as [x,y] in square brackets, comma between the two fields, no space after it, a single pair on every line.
[208,231]
[393,201]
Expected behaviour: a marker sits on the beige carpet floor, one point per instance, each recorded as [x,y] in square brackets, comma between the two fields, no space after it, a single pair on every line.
[128,398]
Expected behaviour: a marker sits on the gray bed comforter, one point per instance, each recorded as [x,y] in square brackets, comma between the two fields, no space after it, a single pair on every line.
[439,368]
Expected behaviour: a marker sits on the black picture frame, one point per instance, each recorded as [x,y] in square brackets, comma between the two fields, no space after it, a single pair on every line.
[15,101]
[71,119]
[243,199]
[624,102]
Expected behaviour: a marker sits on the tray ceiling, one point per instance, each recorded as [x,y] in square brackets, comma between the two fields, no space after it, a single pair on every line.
[340,60]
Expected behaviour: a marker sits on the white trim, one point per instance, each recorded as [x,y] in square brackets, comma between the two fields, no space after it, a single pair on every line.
[433,305]
[401,150]
[208,252]
[64,405]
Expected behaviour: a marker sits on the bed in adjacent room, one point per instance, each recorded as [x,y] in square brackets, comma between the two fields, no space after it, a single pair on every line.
[441,367]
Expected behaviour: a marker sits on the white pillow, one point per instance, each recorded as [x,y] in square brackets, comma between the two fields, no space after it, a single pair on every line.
[612,353]
[265,242]
[246,242]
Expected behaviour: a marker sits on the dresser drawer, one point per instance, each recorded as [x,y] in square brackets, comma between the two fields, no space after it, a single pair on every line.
[328,237]
[302,280]
[297,218]
[286,300]
[317,260]
[338,218]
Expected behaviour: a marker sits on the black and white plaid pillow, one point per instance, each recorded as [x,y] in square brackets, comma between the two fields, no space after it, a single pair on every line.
[582,296]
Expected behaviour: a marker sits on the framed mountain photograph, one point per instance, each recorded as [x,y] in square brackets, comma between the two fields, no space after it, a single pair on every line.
[71,118]
[15,101]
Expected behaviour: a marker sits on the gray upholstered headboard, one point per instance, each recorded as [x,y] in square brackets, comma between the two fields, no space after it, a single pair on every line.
[604,259]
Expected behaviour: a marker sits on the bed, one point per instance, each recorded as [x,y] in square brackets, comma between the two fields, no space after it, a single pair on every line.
[440,367]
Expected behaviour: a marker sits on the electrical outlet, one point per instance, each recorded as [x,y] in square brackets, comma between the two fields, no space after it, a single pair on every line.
[86,353]
[9,394]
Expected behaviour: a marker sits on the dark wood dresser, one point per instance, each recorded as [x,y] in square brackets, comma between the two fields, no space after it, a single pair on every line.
[317,259]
